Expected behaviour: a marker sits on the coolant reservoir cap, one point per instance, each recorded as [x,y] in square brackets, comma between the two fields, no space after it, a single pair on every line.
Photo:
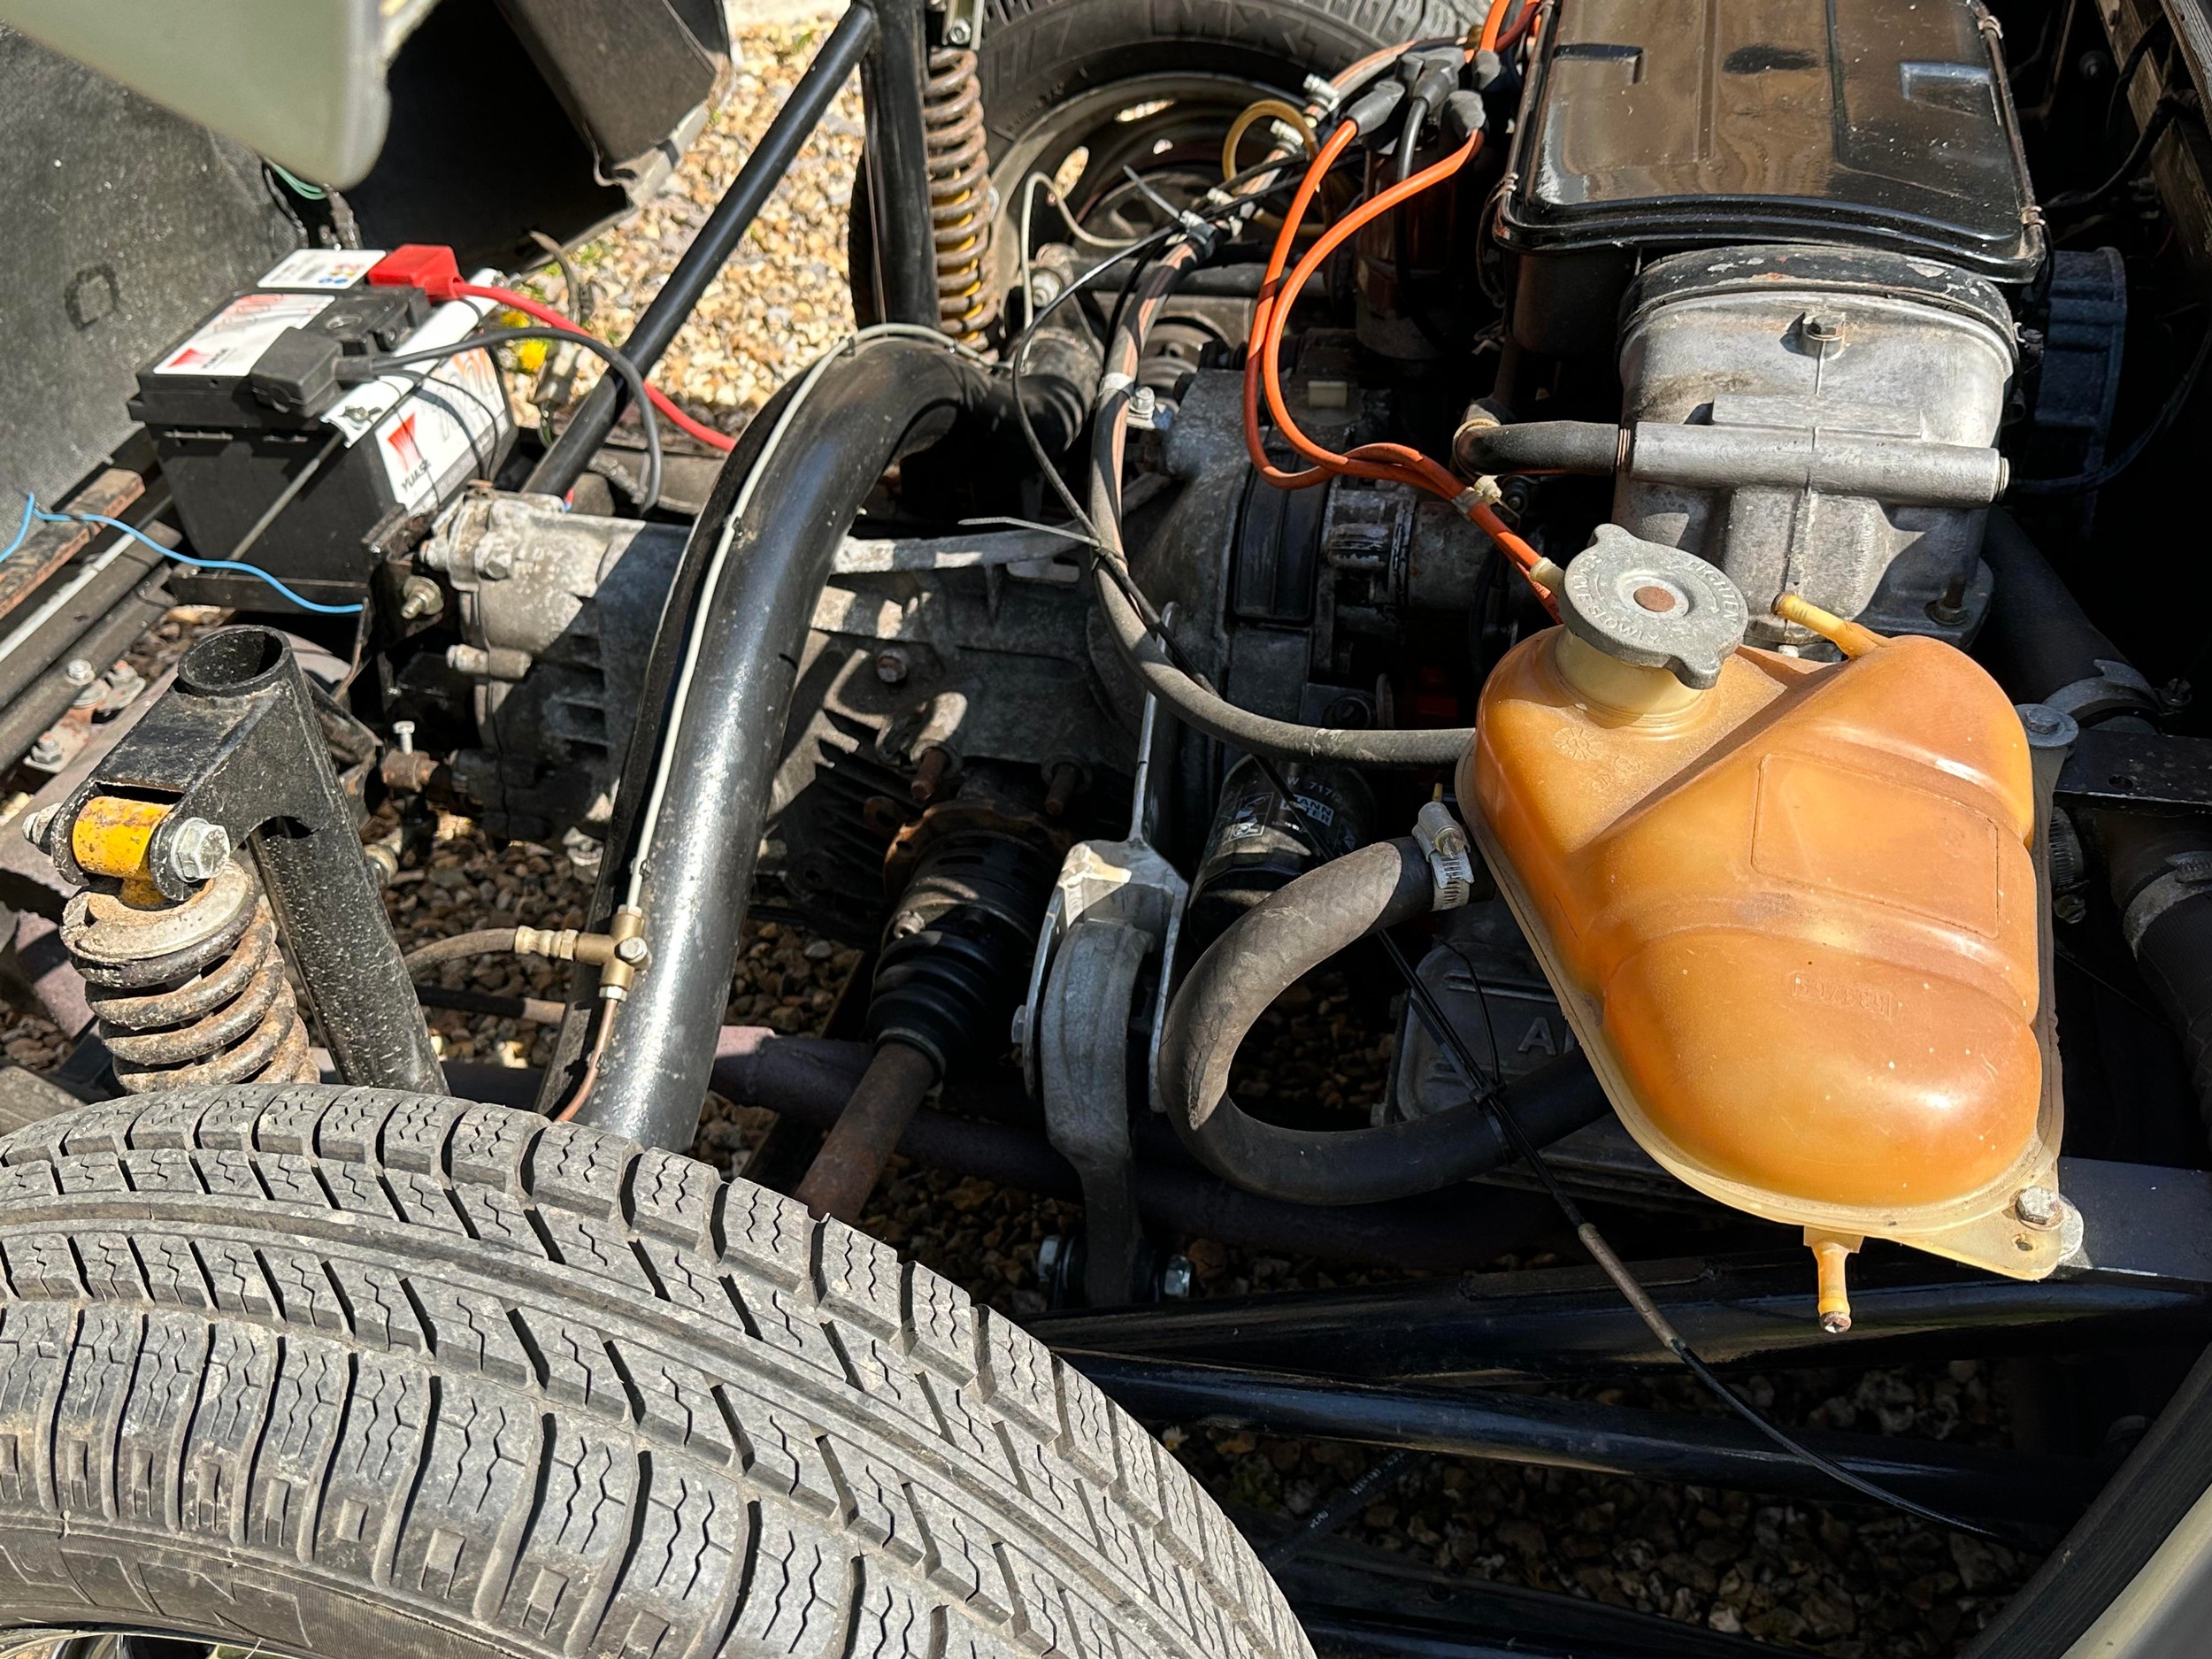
[1653,605]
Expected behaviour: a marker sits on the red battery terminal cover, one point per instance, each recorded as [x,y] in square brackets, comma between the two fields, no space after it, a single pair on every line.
[419,265]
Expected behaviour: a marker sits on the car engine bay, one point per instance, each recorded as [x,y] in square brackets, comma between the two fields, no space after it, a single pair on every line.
[1652,535]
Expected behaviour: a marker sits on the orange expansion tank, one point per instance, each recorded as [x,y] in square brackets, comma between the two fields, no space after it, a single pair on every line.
[1791,907]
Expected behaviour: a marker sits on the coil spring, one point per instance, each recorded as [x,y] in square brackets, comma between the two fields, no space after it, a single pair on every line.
[961,208]
[190,993]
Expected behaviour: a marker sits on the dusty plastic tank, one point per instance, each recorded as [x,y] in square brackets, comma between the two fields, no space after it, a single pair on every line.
[1790,909]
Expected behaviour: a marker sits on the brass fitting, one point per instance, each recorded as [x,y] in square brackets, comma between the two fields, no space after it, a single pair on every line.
[619,954]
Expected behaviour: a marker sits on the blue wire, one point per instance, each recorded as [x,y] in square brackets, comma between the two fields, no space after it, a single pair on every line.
[194,559]
[23,530]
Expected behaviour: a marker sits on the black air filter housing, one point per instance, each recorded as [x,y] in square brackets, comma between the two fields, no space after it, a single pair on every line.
[1670,124]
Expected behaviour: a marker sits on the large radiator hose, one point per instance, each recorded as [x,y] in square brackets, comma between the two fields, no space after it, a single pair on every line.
[2043,648]
[1262,954]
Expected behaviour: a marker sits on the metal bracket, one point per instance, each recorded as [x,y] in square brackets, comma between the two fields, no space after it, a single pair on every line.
[236,743]
[1114,904]
[2114,768]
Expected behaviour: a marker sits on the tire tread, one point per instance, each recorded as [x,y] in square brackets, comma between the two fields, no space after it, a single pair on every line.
[555,1394]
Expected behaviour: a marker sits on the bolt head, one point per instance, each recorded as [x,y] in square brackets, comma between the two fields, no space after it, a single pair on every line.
[1177,1277]
[405,731]
[78,672]
[198,849]
[419,596]
[497,565]
[48,752]
[958,33]
[2038,1207]
[630,950]
[892,667]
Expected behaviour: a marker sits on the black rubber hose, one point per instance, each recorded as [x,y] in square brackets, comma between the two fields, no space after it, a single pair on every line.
[1262,954]
[1538,446]
[883,400]
[2038,641]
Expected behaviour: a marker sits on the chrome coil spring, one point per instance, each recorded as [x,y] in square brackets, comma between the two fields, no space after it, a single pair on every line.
[193,993]
[961,207]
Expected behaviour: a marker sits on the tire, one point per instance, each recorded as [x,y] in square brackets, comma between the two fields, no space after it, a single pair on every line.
[1039,56]
[355,1374]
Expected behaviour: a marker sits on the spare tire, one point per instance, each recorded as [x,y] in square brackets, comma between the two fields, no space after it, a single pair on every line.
[355,1374]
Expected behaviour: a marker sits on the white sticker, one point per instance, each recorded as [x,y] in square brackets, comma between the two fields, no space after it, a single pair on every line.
[322,268]
[445,433]
[230,342]
[359,409]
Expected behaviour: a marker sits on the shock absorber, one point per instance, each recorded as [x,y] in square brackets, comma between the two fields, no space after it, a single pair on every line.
[187,992]
[960,201]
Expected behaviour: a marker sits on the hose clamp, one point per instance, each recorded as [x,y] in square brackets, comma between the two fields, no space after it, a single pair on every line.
[1451,861]
[2186,876]
[2116,687]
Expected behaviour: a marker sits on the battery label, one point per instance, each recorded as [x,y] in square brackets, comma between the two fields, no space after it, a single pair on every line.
[446,433]
[322,268]
[230,342]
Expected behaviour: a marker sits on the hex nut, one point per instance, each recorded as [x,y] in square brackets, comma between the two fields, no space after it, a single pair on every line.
[198,849]
[78,672]
[34,827]
[892,666]
[2038,1207]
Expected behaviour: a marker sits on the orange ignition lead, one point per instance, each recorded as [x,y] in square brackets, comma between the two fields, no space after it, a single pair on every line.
[1388,462]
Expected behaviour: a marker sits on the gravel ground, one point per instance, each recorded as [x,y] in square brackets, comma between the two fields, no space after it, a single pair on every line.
[1843,1581]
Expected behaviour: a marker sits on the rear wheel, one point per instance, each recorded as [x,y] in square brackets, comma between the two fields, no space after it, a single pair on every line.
[348,1373]
[1078,90]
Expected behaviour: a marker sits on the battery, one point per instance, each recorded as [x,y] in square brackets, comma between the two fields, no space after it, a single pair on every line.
[254,399]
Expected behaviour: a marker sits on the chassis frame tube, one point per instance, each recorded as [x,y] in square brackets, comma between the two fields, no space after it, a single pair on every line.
[1557,1324]
[891,84]
[870,408]
[807,1078]
[1672,1446]
[849,44]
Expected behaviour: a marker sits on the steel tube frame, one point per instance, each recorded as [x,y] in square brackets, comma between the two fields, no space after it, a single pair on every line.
[1562,1324]
[869,409]
[1700,1451]
[852,40]
[898,166]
